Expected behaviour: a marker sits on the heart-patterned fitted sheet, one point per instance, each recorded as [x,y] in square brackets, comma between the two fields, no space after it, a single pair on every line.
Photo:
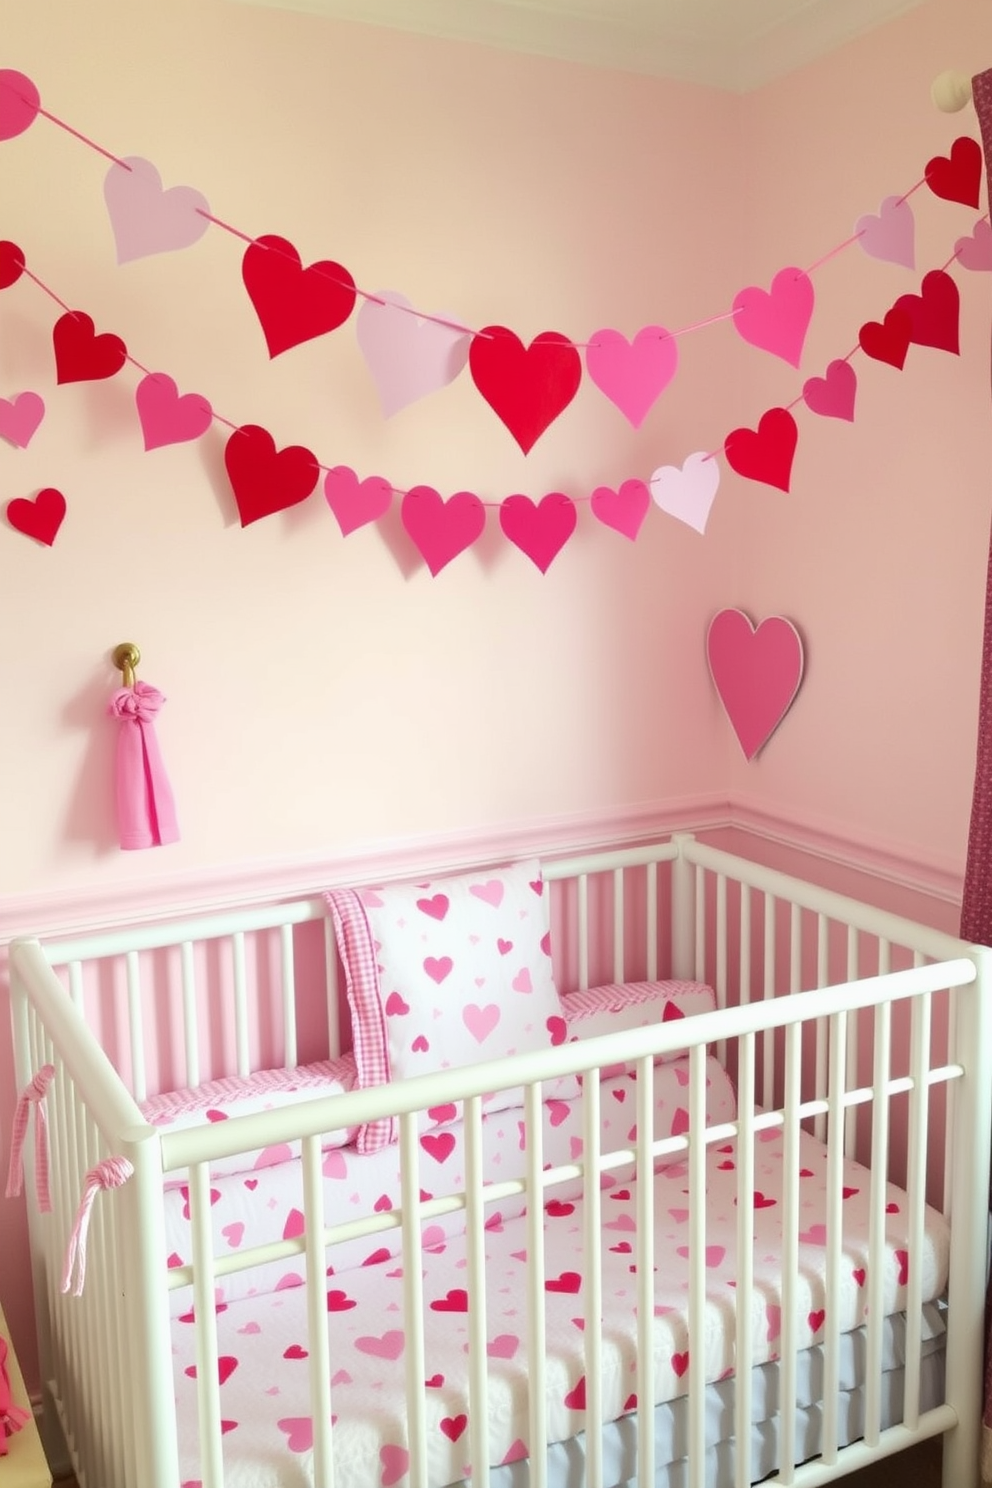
[263,1347]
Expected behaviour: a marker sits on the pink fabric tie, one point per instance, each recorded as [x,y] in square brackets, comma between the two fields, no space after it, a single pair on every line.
[146,811]
[111,1173]
[31,1095]
[12,1416]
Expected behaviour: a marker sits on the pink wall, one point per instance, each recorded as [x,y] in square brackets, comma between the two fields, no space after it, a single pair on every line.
[326,693]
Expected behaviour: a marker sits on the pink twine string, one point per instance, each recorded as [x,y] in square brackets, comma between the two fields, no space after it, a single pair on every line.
[32,1095]
[113,1172]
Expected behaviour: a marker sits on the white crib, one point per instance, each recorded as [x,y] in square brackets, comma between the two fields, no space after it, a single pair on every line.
[836,1021]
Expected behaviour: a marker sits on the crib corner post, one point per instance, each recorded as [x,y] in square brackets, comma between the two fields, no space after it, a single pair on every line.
[151,1407]
[972,1152]
[683,909]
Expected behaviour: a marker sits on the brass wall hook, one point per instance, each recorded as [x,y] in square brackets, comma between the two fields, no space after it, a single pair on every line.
[125,658]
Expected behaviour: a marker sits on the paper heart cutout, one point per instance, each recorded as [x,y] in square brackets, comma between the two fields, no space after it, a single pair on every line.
[11,263]
[541,530]
[625,509]
[933,313]
[687,493]
[777,320]
[294,304]
[957,177]
[757,673]
[264,479]
[974,252]
[355,502]
[165,416]
[80,354]
[632,374]
[766,453]
[146,218]
[19,103]
[890,235]
[408,355]
[887,340]
[39,518]
[439,529]
[527,387]
[20,418]
[832,395]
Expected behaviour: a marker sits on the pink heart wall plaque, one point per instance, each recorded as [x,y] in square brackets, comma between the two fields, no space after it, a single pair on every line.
[757,672]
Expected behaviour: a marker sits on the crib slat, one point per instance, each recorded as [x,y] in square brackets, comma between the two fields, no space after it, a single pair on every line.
[882,1038]
[700,951]
[644,1252]
[288,980]
[475,1243]
[790,1254]
[721,956]
[317,1340]
[744,1296]
[821,1075]
[76,983]
[916,1189]
[697,1270]
[191,1038]
[536,1300]
[240,1004]
[853,1041]
[207,1387]
[582,927]
[592,1279]
[619,958]
[139,1087]
[768,991]
[413,1296]
[835,1234]
[744,954]
[651,920]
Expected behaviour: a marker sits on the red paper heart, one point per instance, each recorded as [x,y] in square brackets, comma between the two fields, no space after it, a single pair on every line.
[540,531]
[264,479]
[526,386]
[933,313]
[765,454]
[441,529]
[887,340]
[292,303]
[80,354]
[957,177]
[40,518]
[11,263]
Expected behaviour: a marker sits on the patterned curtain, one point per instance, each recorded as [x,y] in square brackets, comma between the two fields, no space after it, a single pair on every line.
[976,905]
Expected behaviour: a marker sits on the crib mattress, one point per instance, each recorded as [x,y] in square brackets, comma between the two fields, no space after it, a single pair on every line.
[264,1391]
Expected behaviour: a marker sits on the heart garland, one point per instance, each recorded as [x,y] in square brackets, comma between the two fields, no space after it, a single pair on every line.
[39,518]
[294,304]
[757,672]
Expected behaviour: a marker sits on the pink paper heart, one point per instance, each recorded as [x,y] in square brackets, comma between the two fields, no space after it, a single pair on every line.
[632,374]
[777,320]
[757,673]
[146,218]
[439,529]
[625,509]
[20,417]
[539,529]
[165,416]
[354,502]
[408,356]
[976,252]
[833,395]
[19,103]
[687,493]
[889,235]
[480,1021]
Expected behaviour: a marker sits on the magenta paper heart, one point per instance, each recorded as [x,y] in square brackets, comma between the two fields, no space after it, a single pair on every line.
[541,530]
[777,320]
[167,418]
[687,493]
[409,356]
[20,417]
[833,394]
[623,510]
[355,502]
[19,103]
[976,252]
[632,374]
[889,236]
[440,529]
[147,219]
[756,672]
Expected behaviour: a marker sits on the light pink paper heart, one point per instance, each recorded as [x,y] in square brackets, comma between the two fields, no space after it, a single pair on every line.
[975,252]
[20,417]
[165,416]
[625,509]
[19,103]
[688,493]
[353,502]
[756,672]
[409,356]
[833,394]
[776,320]
[146,218]
[889,235]
[632,374]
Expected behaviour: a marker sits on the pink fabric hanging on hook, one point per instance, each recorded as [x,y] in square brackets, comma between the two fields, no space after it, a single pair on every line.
[146,812]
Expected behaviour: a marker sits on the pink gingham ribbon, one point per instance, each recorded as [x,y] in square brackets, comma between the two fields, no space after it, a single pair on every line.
[32,1095]
[111,1173]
